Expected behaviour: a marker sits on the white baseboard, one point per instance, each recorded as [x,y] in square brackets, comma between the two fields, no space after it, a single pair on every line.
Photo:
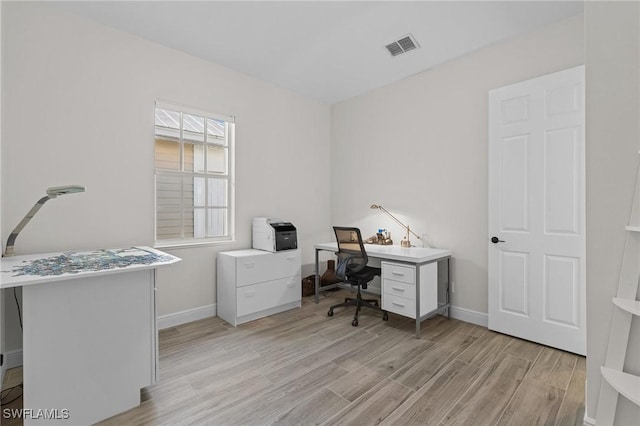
[587,421]
[467,315]
[12,359]
[182,317]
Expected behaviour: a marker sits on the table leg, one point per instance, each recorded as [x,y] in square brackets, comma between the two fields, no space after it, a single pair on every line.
[317,280]
[418,285]
[448,287]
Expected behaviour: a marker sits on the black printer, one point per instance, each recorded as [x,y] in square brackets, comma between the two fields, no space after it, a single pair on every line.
[273,234]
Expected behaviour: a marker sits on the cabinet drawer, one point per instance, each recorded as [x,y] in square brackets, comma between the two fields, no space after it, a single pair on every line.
[397,288]
[267,267]
[399,305]
[266,295]
[398,272]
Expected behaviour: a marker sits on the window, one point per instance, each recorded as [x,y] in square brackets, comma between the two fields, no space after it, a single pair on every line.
[194,175]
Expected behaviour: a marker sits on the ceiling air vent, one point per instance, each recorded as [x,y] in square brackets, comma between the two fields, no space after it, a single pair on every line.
[403,45]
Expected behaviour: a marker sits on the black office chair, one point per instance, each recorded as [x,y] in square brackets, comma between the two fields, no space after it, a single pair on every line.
[352,268]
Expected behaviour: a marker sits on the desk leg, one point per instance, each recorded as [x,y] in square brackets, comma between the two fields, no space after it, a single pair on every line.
[418,285]
[448,287]
[317,296]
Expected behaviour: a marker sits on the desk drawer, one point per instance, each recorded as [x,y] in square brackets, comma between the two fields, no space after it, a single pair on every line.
[398,272]
[267,267]
[399,305]
[258,297]
[397,288]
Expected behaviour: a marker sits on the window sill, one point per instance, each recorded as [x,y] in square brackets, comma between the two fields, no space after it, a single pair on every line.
[190,244]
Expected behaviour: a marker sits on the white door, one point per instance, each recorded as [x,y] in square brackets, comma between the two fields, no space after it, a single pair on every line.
[536,210]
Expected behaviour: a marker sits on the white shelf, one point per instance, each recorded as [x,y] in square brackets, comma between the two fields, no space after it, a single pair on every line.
[632,228]
[626,384]
[631,306]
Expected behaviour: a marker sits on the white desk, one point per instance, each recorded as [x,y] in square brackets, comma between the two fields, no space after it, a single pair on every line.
[425,270]
[89,331]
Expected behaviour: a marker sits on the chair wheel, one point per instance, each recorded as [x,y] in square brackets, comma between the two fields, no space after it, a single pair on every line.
[385,317]
[330,313]
[354,323]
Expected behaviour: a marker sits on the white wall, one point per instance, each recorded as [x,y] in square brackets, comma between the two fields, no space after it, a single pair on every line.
[2,322]
[612,142]
[419,148]
[78,109]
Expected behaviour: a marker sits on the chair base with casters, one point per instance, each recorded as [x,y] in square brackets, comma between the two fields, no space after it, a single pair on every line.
[359,302]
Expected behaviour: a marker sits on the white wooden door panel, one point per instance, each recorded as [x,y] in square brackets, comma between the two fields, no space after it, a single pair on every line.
[561,292]
[536,210]
[514,293]
[514,202]
[562,181]
[515,110]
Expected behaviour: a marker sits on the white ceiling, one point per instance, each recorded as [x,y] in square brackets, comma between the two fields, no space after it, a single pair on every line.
[327,50]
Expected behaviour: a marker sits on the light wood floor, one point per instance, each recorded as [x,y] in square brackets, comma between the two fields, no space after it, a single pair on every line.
[301,367]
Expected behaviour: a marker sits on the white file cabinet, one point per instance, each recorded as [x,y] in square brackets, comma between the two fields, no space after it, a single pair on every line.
[399,288]
[253,284]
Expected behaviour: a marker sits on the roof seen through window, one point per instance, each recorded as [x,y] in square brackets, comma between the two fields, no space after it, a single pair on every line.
[191,123]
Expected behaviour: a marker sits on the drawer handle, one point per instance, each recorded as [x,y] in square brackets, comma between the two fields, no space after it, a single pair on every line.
[291,285]
[291,258]
[398,288]
[249,293]
[249,265]
[399,274]
[398,304]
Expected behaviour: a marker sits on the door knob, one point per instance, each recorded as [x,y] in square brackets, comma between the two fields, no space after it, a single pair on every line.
[495,240]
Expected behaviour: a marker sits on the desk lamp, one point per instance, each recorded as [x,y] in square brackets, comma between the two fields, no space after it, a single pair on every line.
[405,241]
[52,192]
